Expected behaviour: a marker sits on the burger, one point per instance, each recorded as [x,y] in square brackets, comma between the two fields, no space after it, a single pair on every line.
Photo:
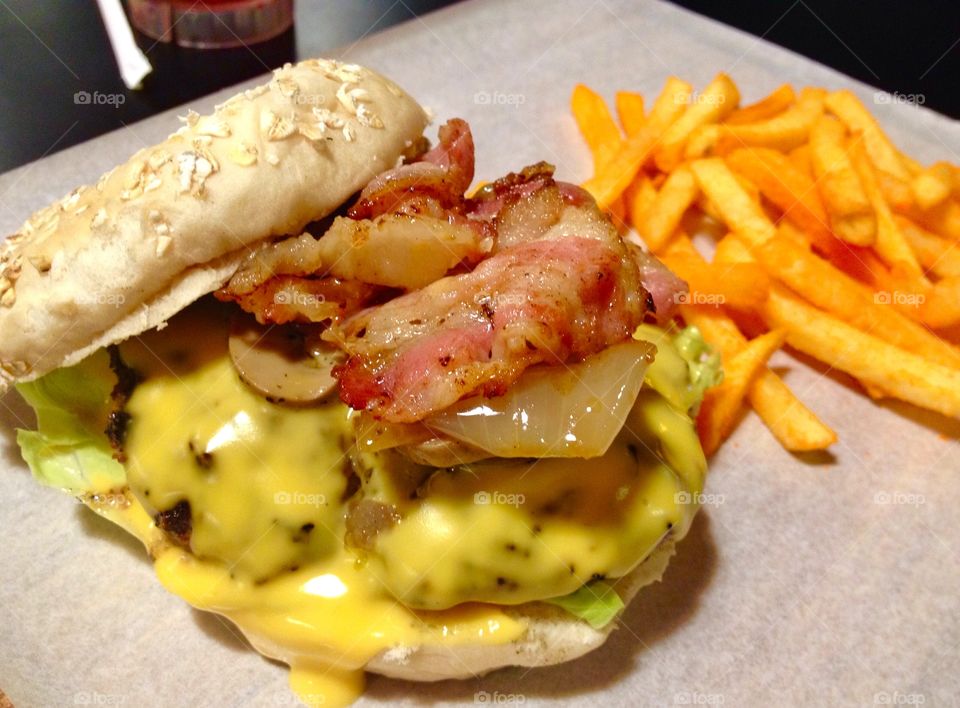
[380,419]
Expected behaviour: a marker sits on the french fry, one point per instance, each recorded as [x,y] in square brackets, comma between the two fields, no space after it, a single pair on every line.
[896,371]
[911,165]
[672,102]
[895,191]
[782,132]
[788,230]
[794,192]
[943,219]
[719,280]
[702,141]
[871,270]
[740,285]
[736,208]
[610,181]
[842,275]
[857,261]
[710,211]
[595,123]
[674,198]
[713,104]
[941,306]
[831,290]
[848,108]
[908,290]
[732,250]
[787,187]
[683,247]
[851,214]
[630,111]
[901,290]
[745,316]
[764,109]
[890,244]
[863,265]
[722,403]
[936,254]
[749,187]
[931,186]
[794,425]
[800,157]
[638,199]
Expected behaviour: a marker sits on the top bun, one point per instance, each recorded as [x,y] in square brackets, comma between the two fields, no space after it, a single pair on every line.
[172,223]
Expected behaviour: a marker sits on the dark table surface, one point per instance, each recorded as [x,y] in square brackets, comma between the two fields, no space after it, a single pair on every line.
[52,49]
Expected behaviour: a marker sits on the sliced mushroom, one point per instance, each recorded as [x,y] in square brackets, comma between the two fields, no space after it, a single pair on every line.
[366,519]
[278,362]
[443,452]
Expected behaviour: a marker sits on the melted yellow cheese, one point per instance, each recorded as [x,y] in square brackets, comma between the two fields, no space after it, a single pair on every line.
[265,485]
[326,621]
[257,476]
[509,532]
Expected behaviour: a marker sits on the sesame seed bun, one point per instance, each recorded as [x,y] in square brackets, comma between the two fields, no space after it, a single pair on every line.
[172,223]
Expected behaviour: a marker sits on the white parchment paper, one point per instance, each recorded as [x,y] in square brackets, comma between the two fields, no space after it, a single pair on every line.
[825,580]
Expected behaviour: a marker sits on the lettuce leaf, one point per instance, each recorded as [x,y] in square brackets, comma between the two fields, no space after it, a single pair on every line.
[69,449]
[596,603]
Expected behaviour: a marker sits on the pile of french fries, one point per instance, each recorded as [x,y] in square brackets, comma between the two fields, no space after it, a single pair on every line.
[828,239]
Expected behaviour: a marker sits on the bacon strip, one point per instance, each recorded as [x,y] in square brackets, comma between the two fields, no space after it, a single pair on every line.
[443,174]
[492,198]
[663,285]
[550,301]
[454,153]
[528,271]
[289,298]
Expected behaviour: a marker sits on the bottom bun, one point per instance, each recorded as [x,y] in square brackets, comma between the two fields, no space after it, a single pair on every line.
[553,636]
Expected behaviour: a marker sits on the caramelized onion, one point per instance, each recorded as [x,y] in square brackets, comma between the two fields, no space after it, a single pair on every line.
[555,411]
[374,435]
